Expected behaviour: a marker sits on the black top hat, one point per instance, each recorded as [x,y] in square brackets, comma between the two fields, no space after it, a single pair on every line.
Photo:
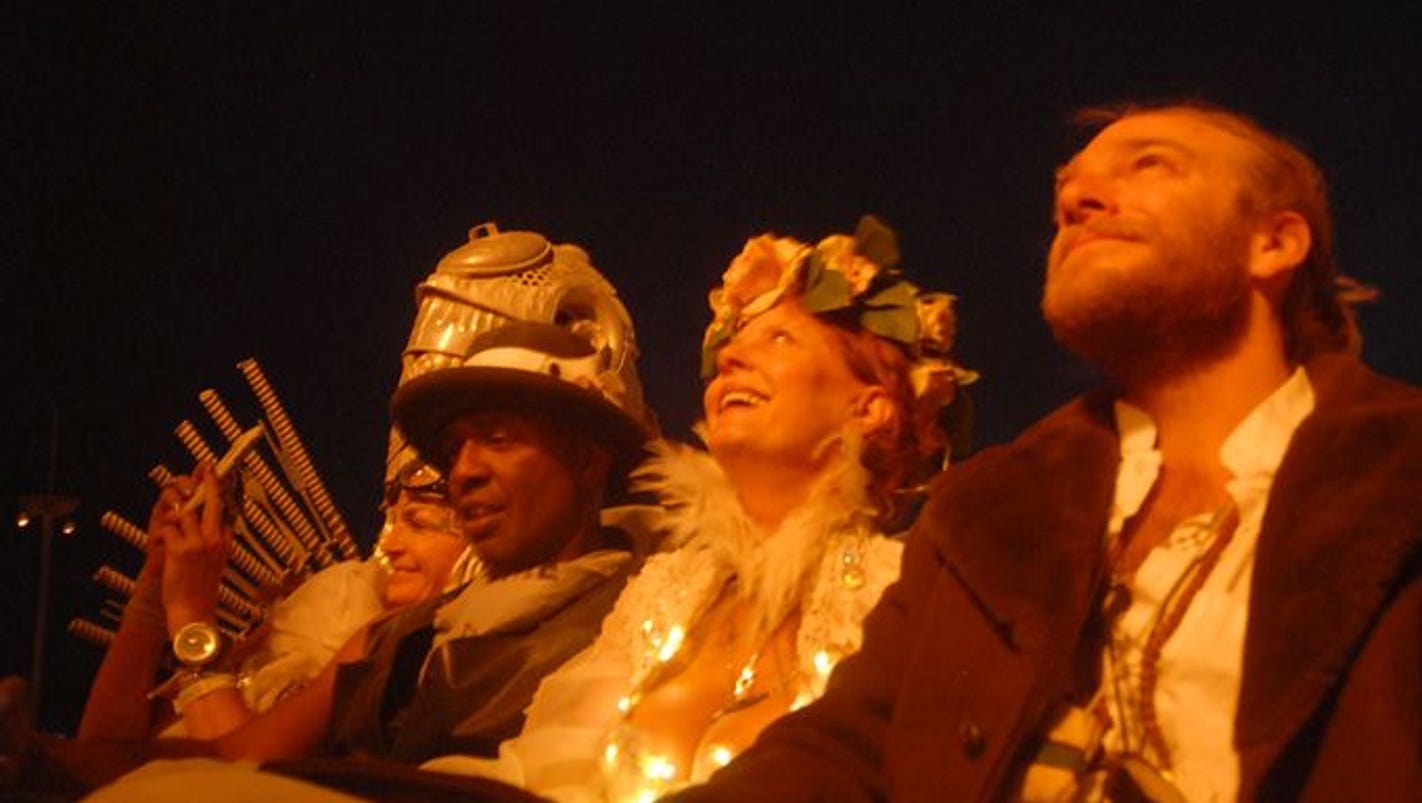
[526,366]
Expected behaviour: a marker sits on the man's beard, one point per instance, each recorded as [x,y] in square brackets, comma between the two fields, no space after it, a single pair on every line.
[1160,320]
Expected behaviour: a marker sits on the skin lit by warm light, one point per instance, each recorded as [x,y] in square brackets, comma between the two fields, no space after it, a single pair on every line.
[421,546]
[783,388]
[524,494]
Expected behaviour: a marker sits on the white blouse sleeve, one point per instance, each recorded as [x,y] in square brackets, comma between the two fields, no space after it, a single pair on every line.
[308,627]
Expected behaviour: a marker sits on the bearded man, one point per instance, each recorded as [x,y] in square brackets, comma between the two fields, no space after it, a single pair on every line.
[1199,582]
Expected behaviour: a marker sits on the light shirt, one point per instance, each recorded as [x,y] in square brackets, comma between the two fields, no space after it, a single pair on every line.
[305,629]
[1197,692]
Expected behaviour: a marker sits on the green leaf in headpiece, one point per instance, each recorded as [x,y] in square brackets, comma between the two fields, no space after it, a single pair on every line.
[895,323]
[708,351]
[898,294]
[876,242]
[814,265]
[828,291]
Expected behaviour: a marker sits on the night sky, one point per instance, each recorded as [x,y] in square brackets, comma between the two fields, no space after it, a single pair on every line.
[190,184]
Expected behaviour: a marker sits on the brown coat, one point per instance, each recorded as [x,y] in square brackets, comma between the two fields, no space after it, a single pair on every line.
[994,620]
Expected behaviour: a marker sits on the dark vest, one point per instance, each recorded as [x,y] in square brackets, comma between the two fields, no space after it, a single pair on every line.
[476,690]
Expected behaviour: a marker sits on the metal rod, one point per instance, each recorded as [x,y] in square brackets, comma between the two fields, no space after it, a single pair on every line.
[46,561]
[310,481]
[160,475]
[286,507]
[92,632]
[130,533]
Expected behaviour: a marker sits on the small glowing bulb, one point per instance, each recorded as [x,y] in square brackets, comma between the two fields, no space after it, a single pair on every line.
[673,643]
[721,755]
[823,662]
[659,767]
[853,578]
[69,528]
[624,704]
[23,520]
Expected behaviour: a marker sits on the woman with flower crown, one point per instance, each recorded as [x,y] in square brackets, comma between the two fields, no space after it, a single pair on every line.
[828,374]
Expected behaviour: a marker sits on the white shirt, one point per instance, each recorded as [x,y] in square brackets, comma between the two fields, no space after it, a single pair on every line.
[1199,671]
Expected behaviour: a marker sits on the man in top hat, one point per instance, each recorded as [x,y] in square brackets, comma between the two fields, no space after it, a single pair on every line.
[532,420]
[532,432]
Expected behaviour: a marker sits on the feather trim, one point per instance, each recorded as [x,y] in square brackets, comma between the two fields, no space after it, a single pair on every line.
[774,570]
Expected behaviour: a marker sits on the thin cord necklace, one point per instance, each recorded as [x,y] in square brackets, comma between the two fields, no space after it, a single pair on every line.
[1172,611]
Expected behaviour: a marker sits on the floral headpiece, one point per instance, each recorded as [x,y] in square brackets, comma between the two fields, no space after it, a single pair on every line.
[841,274]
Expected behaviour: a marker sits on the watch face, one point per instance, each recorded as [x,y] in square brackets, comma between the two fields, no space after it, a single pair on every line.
[197,644]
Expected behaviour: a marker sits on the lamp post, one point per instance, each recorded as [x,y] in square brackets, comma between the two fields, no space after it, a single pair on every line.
[48,508]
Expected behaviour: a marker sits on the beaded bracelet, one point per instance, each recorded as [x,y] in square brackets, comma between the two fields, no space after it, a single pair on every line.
[201,687]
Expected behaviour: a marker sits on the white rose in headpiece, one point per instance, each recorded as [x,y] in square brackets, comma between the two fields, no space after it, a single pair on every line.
[838,251]
[938,325]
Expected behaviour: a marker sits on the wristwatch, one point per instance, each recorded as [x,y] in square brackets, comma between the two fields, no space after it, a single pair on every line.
[198,644]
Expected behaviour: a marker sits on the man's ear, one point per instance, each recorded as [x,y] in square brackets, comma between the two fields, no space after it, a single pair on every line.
[1279,244]
[874,411]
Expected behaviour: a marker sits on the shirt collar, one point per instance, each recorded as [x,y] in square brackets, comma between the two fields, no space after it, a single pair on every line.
[1252,451]
[1140,462]
[1256,447]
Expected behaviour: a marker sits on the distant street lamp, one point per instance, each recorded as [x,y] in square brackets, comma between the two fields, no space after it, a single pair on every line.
[47,508]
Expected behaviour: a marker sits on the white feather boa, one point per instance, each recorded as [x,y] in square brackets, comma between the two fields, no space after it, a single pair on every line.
[774,571]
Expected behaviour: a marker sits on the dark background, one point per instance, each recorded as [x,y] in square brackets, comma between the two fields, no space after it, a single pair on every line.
[189,184]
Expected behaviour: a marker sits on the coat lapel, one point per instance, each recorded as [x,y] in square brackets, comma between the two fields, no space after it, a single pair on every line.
[1341,524]
[1047,498]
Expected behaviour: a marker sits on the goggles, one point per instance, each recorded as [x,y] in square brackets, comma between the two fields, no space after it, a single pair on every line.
[424,506]
[416,478]
[421,516]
